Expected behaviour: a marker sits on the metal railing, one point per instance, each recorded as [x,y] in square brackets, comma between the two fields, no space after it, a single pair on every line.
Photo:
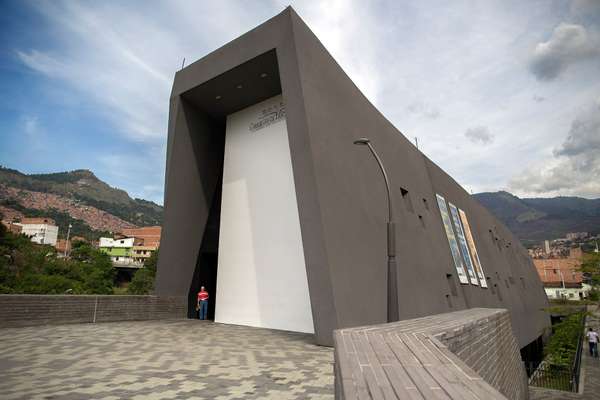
[559,377]
[551,376]
[576,366]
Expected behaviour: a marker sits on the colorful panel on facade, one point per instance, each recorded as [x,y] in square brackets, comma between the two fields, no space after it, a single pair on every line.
[458,263]
[471,243]
[463,244]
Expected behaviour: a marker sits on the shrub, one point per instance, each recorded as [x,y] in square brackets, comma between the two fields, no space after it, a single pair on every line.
[143,280]
[26,267]
[562,346]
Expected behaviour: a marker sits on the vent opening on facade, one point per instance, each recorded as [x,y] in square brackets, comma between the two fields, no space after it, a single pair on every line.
[449,301]
[407,201]
[490,285]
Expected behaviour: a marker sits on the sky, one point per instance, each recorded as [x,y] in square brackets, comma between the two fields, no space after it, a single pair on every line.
[503,95]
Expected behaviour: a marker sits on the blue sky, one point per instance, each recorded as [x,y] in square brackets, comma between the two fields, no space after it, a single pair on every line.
[501,94]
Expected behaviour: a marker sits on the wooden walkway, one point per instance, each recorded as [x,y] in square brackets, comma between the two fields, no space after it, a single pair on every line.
[412,360]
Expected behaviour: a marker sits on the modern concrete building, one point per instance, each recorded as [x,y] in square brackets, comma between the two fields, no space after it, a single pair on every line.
[270,205]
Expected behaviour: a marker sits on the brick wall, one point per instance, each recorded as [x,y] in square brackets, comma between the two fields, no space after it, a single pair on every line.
[465,354]
[488,346]
[29,310]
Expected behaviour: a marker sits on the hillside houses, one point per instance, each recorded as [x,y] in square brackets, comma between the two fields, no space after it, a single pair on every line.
[131,247]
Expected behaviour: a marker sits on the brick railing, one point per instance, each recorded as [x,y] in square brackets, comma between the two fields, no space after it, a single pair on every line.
[469,354]
[30,310]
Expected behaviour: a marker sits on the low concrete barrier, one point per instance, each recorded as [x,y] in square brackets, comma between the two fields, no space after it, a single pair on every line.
[30,310]
[468,354]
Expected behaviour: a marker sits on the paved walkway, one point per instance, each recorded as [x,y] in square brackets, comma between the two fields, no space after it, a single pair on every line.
[590,374]
[182,359]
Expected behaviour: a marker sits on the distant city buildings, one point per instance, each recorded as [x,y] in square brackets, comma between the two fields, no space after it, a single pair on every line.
[127,249]
[39,230]
[139,254]
[149,234]
[119,250]
[131,247]
[576,235]
[560,248]
[561,276]
[552,249]
[13,227]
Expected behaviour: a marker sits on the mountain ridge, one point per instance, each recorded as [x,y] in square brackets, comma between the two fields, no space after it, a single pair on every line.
[94,206]
[537,218]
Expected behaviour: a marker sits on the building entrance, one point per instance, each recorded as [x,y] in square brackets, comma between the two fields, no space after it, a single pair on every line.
[205,273]
[262,277]
[251,260]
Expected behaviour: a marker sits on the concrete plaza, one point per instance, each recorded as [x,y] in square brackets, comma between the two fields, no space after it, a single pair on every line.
[175,359]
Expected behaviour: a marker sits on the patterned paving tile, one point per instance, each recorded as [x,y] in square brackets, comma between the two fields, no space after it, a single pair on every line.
[180,359]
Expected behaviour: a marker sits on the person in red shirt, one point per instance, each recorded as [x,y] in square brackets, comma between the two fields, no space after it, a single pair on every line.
[202,305]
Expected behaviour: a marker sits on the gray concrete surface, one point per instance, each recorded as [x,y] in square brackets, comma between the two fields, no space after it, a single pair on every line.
[177,359]
[339,191]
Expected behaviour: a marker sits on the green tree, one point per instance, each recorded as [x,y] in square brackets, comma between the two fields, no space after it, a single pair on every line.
[143,280]
[26,267]
[562,345]
[95,268]
[591,268]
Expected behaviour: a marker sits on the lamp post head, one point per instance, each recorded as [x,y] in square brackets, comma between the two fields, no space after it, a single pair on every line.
[362,141]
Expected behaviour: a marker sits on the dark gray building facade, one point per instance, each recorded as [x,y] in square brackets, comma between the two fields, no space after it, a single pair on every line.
[339,195]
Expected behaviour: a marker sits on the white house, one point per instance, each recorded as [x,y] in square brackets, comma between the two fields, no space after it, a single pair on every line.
[119,250]
[40,230]
[569,293]
[118,243]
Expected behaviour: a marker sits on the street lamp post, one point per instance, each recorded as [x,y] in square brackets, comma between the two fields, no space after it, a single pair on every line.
[392,279]
[67,241]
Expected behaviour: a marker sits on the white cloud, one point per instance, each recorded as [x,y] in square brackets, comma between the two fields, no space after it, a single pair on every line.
[423,110]
[435,70]
[351,32]
[30,126]
[43,63]
[575,167]
[568,45]
[480,135]
[34,133]
[123,58]
[586,10]
[538,99]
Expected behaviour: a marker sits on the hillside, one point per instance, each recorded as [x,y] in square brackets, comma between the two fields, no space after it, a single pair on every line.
[77,197]
[536,219]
